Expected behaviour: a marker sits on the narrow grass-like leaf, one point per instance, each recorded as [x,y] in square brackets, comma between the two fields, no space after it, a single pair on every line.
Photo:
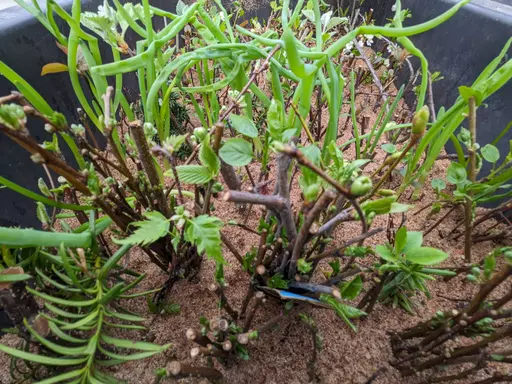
[45,360]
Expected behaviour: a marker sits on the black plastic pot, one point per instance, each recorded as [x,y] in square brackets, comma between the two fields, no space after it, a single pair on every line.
[26,47]
[460,49]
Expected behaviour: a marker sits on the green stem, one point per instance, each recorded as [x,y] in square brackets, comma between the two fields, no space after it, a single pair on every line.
[353,113]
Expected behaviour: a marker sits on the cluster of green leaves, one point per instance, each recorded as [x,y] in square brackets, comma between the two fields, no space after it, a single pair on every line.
[202,231]
[490,80]
[80,291]
[494,187]
[404,268]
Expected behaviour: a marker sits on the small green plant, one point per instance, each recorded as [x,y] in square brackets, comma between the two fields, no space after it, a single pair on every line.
[437,343]
[404,270]
[80,290]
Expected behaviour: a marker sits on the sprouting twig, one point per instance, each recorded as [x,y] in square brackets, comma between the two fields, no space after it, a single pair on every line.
[430,229]
[376,79]
[283,190]
[321,204]
[338,250]
[468,211]
[299,156]
[247,299]
[141,142]
[157,149]
[303,123]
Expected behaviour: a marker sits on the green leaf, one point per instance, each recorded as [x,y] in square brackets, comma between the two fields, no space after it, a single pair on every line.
[385,253]
[414,240]
[489,265]
[310,14]
[400,239]
[209,158]
[490,153]
[61,350]
[204,232]
[350,290]
[277,282]
[181,8]
[148,231]
[438,184]
[129,344]
[304,266]
[63,378]
[334,21]
[244,125]
[192,174]
[43,199]
[236,152]
[344,311]
[43,187]
[174,142]
[132,357]
[12,278]
[456,173]
[379,206]
[112,261]
[12,116]
[399,208]
[8,257]
[336,266]
[467,92]
[389,148]
[275,120]
[55,361]
[41,213]
[426,256]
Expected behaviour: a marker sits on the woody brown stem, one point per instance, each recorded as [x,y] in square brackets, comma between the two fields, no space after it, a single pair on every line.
[219,291]
[158,150]
[468,211]
[261,247]
[137,132]
[197,337]
[338,250]
[177,369]
[321,204]
[232,248]
[301,159]
[274,202]
[285,214]
[209,350]
[259,298]
[24,140]
[343,216]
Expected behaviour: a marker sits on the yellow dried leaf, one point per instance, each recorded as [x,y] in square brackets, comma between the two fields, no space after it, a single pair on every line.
[53,68]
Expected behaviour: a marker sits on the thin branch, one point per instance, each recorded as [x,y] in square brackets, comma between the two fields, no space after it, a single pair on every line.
[323,201]
[274,202]
[301,159]
[338,250]
[376,79]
